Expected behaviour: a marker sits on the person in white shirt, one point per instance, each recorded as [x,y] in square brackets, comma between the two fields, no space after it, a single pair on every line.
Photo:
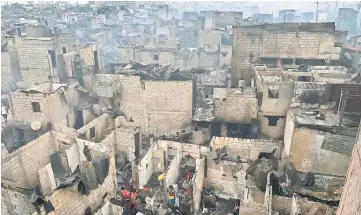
[4,112]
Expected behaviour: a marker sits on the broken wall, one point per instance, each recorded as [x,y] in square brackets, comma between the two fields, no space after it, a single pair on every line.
[125,142]
[276,106]
[247,148]
[68,202]
[159,107]
[310,93]
[307,154]
[231,105]
[270,130]
[173,171]
[145,167]
[225,56]
[101,125]
[227,179]
[287,136]
[198,183]
[14,202]
[352,189]
[23,164]
[127,92]
[282,40]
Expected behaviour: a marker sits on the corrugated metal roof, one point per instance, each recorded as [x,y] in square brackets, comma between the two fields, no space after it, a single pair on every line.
[338,143]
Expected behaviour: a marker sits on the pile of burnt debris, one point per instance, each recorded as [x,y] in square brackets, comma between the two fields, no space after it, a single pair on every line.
[288,181]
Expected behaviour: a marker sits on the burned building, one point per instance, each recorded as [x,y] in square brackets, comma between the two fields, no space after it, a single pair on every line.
[298,43]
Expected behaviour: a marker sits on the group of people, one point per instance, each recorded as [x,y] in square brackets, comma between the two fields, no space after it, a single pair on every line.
[130,197]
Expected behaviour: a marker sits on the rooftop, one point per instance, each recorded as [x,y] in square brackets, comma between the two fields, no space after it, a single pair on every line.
[45,88]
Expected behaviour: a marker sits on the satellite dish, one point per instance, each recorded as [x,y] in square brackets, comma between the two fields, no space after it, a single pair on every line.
[36,125]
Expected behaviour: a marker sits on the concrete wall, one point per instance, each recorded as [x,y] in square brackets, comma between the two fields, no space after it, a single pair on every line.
[284,40]
[198,183]
[276,106]
[127,54]
[165,58]
[306,154]
[15,203]
[173,171]
[287,136]
[145,167]
[247,148]
[351,192]
[231,105]
[23,164]
[209,37]
[272,132]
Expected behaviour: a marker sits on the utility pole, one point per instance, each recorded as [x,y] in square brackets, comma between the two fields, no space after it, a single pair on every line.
[316,11]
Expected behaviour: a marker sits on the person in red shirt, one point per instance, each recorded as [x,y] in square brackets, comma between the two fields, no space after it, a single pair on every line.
[188,175]
[125,193]
[133,201]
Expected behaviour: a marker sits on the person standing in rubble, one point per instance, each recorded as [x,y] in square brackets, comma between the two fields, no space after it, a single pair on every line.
[133,201]
[171,196]
[160,179]
[125,195]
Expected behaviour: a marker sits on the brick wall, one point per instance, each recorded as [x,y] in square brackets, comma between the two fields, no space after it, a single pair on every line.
[247,148]
[128,90]
[156,106]
[286,40]
[125,142]
[22,109]
[31,77]
[350,203]
[168,105]
[230,105]
[57,110]
[33,53]
[15,203]
[52,108]
[6,75]
[23,164]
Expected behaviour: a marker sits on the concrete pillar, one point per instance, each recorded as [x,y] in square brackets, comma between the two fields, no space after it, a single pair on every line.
[223,129]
